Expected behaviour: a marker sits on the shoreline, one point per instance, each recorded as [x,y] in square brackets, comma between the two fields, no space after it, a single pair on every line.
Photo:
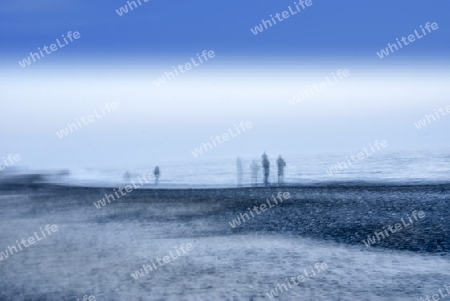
[38,180]
[315,224]
[341,213]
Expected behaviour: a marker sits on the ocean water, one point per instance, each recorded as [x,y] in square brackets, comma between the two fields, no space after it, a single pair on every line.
[401,166]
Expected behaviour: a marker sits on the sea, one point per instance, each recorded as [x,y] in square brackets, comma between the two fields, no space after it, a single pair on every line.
[394,167]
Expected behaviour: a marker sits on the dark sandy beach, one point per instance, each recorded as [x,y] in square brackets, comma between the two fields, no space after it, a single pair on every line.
[95,250]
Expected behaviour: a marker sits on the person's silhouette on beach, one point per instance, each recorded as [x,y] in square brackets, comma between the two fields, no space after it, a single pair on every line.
[156,172]
[239,171]
[281,164]
[254,168]
[126,177]
[266,167]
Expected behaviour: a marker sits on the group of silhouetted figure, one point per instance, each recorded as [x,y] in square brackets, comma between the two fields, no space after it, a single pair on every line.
[156,174]
[254,169]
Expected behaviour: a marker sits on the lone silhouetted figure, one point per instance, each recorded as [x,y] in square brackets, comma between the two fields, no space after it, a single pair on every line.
[266,167]
[281,164]
[254,168]
[239,172]
[126,177]
[156,172]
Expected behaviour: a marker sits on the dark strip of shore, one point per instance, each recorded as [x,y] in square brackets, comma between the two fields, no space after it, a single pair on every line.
[343,213]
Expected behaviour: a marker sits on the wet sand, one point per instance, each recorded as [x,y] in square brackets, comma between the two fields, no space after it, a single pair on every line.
[95,250]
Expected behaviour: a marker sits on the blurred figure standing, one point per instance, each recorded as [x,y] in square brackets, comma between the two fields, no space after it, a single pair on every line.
[239,171]
[156,172]
[254,167]
[281,165]
[126,177]
[266,166]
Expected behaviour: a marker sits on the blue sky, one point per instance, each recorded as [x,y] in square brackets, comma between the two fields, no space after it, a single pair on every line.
[327,28]
[251,78]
